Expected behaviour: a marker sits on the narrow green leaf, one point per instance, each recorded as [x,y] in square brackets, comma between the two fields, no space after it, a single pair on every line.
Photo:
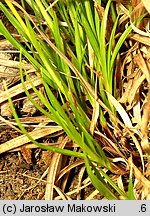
[130,186]
[100,185]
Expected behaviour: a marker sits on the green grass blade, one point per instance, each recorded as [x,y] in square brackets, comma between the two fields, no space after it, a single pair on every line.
[52,148]
[99,184]
[130,186]
[103,47]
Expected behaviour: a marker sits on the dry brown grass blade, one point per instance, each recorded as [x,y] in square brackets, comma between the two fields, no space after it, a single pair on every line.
[144,123]
[139,60]
[137,113]
[147,173]
[141,39]
[121,9]
[138,10]
[123,114]
[127,64]
[26,121]
[138,146]
[9,124]
[131,94]
[80,177]
[37,119]
[68,168]
[125,95]
[33,146]
[146,5]
[120,183]
[112,145]
[74,191]
[91,54]
[141,179]
[134,91]
[121,160]
[16,64]
[95,113]
[62,195]
[118,76]
[23,139]
[54,168]
[9,70]
[17,89]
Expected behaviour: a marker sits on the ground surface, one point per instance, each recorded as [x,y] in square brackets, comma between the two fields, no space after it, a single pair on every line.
[18,180]
[23,174]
